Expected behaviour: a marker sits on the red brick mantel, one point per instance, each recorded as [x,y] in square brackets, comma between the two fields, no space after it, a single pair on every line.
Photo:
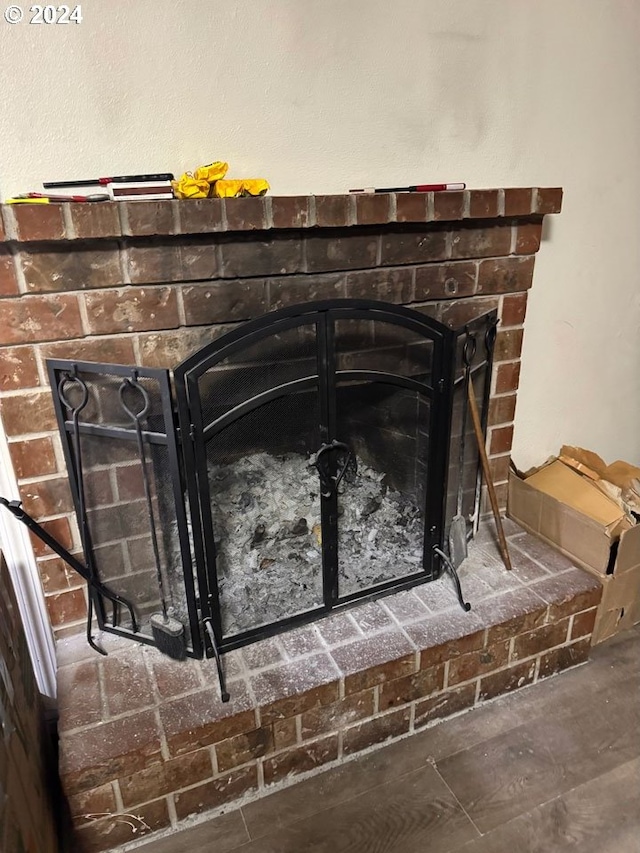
[149,282]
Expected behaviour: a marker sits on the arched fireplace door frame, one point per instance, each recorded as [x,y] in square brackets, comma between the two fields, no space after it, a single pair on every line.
[196,432]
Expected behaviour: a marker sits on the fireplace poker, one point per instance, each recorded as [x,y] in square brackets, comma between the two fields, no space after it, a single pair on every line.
[95,584]
[477,428]
[168,633]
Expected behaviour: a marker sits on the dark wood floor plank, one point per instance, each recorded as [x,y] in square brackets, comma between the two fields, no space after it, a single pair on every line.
[512,773]
[412,814]
[335,786]
[600,816]
[221,834]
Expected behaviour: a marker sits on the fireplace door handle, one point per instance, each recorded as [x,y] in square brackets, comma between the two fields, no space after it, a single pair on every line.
[331,482]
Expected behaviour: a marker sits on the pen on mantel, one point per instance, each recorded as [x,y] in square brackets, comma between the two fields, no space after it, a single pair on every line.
[416,188]
[52,197]
[121,179]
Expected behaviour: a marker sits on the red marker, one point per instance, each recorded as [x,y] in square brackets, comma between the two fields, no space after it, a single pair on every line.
[416,188]
[49,197]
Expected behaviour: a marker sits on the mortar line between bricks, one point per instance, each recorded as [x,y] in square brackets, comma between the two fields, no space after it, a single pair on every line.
[535,199]
[512,328]
[448,247]
[21,279]
[41,367]
[393,208]
[117,794]
[219,256]
[267,202]
[536,672]
[137,348]
[259,773]
[304,260]
[58,453]
[214,760]
[42,478]
[18,392]
[10,225]
[378,239]
[69,225]
[102,689]
[180,306]
[514,238]
[224,222]
[124,263]
[311,209]
[84,316]
[351,217]
[476,700]
[412,716]
[171,810]
[176,222]
[430,206]
[412,286]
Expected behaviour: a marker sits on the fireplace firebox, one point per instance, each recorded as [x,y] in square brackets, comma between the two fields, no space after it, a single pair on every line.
[305,461]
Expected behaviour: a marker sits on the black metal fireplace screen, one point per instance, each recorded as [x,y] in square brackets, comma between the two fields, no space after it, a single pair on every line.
[309,459]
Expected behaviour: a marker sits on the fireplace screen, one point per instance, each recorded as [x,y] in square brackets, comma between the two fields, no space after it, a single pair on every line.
[308,459]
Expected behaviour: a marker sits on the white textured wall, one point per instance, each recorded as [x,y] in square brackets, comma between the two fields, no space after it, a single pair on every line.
[322,95]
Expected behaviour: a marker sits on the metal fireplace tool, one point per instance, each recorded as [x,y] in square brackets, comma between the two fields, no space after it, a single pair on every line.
[337,382]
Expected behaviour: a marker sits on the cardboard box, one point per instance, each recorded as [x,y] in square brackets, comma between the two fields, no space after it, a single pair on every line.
[571,512]
[620,605]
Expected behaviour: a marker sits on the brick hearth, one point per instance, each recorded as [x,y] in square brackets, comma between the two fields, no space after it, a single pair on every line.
[149,737]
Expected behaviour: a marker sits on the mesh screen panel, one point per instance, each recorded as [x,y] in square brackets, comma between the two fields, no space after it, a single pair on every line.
[258,367]
[382,346]
[265,506]
[463,465]
[117,512]
[381,508]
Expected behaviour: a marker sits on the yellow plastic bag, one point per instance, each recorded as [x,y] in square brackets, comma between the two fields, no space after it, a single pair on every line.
[190,187]
[240,187]
[212,172]
[207,181]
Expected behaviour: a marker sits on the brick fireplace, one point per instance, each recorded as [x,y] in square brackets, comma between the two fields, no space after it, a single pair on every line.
[147,284]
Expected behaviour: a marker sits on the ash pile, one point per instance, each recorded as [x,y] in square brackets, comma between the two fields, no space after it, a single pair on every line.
[266,520]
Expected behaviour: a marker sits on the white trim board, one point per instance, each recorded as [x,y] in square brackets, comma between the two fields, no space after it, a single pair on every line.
[16,547]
